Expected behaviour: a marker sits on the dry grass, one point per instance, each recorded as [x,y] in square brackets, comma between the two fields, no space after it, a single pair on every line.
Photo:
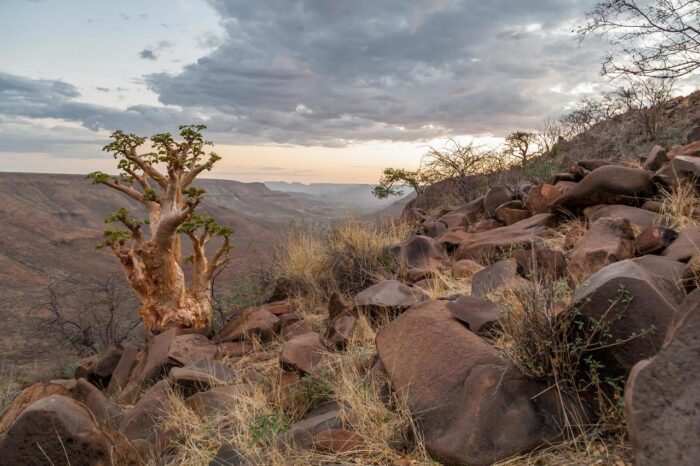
[263,410]
[9,389]
[678,205]
[443,284]
[310,263]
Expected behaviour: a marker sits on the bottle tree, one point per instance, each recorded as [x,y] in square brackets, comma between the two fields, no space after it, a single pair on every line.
[158,173]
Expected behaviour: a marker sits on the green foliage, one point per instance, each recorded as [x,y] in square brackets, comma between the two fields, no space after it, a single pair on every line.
[110,237]
[266,427]
[314,389]
[98,177]
[69,369]
[395,178]
[540,169]
[206,223]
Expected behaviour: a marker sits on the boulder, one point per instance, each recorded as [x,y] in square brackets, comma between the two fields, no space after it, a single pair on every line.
[217,401]
[609,184]
[608,240]
[503,273]
[253,322]
[302,353]
[59,430]
[656,159]
[451,239]
[433,229]
[631,297]
[202,374]
[465,268]
[143,421]
[296,329]
[288,319]
[494,197]
[661,396]
[685,246]
[693,135]
[640,218]
[122,372]
[541,264]
[654,239]
[485,225]
[480,316]
[509,216]
[28,396]
[691,275]
[454,220]
[233,349]
[340,329]
[540,198]
[471,405]
[301,433]
[105,365]
[338,304]
[228,455]
[492,244]
[681,168]
[687,150]
[337,441]
[419,252]
[387,294]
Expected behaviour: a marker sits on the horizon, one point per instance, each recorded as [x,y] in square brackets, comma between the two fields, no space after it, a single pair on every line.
[297,91]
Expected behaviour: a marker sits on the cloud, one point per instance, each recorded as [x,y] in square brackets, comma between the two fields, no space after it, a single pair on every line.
[147,54]
[390,70]
[333,73]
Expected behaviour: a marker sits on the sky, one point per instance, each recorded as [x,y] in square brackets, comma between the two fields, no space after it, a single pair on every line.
[296,90]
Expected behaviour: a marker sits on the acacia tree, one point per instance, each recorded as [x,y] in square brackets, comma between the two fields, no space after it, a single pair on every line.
[522,146]
[393,179]
[153,262]
[653,38]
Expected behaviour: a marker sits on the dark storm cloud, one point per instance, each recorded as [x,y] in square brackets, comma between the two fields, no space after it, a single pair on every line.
[393,69]
[333,72]
[147,54]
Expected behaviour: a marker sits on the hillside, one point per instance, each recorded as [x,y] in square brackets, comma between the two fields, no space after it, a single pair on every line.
[51,224]
[352,198]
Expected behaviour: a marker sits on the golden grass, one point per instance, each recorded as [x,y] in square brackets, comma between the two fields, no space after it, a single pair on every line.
[678,205]
[262,411]
[9,389]
[310,263]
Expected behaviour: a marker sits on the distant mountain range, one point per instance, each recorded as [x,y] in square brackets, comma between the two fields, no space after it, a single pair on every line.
[356,198]
[51,223]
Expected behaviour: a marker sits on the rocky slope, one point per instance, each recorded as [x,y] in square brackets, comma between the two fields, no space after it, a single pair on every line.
[477,378]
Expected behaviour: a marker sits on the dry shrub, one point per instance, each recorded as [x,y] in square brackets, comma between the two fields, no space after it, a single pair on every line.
[310,264]
[550,340]
[443,284]
[300,265]
[678,205]
[261,411]
[359,251]
[9,389]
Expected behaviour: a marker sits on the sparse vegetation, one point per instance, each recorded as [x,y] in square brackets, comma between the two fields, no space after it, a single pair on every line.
[153,266]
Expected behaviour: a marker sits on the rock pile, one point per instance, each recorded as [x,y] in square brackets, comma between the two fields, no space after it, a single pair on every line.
[472,405]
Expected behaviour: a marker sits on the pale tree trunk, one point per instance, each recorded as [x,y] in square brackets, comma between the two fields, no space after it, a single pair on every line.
[152,266]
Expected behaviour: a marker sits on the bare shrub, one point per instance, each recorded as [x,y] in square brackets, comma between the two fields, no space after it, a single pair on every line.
[87,314]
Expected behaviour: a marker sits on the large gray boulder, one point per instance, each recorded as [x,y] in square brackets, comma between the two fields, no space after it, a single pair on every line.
[608,240]
[59,430]
[608,184]
[635,300]
[662,393]
[471,405]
